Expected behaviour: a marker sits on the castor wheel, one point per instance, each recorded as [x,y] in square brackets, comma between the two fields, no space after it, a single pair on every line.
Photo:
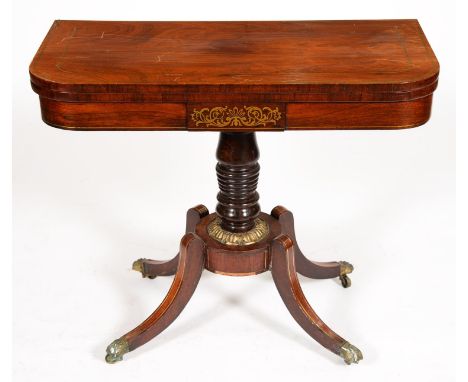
[138,266]
[345,281]
[345,269]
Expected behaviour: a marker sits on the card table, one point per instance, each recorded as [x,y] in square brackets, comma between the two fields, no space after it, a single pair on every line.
[236,78]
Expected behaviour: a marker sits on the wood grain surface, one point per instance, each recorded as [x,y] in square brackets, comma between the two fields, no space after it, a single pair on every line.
[108,75]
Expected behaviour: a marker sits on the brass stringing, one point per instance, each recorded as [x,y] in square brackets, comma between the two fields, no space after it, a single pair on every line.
[249,116]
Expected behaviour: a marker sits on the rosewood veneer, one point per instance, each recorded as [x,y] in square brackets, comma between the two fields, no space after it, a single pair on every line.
[236,78]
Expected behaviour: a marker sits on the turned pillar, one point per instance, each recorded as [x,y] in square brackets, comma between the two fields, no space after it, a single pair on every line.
[237,171]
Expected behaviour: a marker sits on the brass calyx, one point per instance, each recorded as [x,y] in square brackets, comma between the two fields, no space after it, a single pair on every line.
[350,353]
[257,233]
[116,350]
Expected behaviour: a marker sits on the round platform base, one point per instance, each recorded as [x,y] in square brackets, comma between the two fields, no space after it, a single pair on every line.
[237,260]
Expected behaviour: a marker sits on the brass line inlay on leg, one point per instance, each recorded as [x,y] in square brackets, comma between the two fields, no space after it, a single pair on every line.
[257,233]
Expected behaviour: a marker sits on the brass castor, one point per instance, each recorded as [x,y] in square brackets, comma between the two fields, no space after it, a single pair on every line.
[116,350]
[346,268]
[350,353]
[138,266]
[345,281]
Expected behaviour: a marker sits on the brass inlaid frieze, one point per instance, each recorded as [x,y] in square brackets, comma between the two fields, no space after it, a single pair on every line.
[257,233]
[224,116]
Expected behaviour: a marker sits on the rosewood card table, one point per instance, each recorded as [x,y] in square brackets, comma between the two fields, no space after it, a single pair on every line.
[236,78]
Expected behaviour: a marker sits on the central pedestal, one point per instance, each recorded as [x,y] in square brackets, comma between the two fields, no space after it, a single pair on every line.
[238,240]
[237,172]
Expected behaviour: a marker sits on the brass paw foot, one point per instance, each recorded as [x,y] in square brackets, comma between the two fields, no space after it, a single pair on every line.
[345,268]
[116,350]
[350,353]
[138,266]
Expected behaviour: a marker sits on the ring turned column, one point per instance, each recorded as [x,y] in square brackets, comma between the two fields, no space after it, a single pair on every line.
[237,171]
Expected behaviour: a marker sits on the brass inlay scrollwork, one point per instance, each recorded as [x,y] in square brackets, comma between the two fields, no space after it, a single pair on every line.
[223,116]
[256,234]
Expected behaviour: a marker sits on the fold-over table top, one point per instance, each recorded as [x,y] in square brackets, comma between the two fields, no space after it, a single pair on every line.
[165,72]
